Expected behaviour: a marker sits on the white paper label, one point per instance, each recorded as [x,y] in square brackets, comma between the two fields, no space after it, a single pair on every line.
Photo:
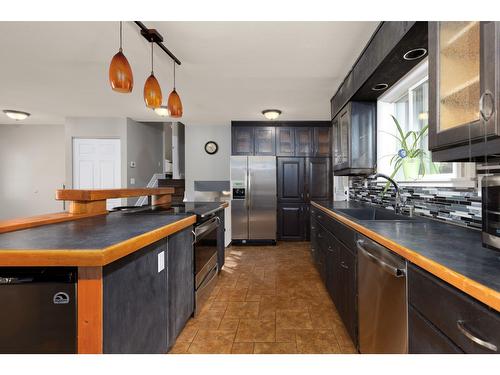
[161,261]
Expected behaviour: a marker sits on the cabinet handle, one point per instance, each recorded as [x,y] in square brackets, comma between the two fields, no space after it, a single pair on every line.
[477,340]
[319,235]
[486,116]
[343,265]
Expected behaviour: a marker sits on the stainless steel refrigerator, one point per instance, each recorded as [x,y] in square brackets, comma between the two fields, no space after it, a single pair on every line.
[253,204]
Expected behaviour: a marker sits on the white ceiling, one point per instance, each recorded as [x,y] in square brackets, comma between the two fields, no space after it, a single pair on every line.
[230,70]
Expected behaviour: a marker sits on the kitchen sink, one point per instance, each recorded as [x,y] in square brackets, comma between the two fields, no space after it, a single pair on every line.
[379,214]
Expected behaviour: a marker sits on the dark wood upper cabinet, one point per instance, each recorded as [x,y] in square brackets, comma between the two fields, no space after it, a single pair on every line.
[285,141]
[319,179]
[265,141]
[354,131]
[292,138]
[242,140]
[322,142]
[304,139]
[464,68]
[291,179]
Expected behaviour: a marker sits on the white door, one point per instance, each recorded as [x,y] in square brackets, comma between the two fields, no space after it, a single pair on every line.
[97,165]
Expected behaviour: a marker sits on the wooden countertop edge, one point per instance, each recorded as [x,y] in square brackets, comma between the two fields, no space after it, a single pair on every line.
[477,290]
[39,220]
[89,257]
[101,194]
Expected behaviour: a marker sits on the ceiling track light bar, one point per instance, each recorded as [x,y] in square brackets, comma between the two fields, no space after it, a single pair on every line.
[153,36]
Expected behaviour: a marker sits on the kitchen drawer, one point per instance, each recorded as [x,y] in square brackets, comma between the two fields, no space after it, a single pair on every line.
[460,317]
[339,230]
[424,338]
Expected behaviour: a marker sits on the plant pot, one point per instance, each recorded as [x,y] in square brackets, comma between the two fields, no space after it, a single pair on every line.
[411,168]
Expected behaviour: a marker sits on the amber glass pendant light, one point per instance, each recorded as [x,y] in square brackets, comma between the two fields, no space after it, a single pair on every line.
[120,72]
[174,102]
[152,90]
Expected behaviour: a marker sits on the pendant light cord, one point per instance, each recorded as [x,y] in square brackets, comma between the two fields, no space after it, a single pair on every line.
[174,75]
[121,36]
[152,59]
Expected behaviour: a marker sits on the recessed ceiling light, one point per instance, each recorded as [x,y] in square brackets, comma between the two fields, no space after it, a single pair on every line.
[415,54]
[380,87]
[271,114]
[162,111]
[16,115]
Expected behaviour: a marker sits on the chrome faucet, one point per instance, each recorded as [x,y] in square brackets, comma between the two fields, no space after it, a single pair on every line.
[397,205]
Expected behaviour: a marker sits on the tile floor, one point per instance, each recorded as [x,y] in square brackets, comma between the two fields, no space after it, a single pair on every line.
[269,299]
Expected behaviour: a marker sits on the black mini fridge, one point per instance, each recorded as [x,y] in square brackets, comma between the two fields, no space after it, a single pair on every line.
[38,310]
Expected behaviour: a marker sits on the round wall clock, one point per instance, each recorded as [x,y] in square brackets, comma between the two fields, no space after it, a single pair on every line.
[211,147]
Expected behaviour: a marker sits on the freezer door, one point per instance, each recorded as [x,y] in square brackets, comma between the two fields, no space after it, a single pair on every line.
[239,207]
[262,197]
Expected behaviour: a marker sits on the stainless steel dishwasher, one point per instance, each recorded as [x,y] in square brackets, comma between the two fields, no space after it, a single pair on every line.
[382,299]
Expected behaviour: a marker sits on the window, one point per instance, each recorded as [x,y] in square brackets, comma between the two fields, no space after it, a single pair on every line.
[408,102]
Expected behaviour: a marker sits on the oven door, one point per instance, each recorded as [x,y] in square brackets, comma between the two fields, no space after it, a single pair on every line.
[205,254]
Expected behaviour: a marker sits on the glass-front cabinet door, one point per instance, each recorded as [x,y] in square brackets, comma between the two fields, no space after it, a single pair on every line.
[322,143]
[264,141]
[463,59]
[285,141]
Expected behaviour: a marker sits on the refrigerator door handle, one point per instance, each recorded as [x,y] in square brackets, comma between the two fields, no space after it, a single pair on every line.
[249,184]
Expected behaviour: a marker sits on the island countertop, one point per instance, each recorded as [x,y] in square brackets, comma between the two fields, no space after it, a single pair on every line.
[92,241]
[452,253]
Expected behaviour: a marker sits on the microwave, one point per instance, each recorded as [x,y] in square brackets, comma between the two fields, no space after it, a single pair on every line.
[490,192]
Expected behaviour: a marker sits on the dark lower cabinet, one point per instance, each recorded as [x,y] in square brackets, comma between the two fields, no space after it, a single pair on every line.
[180,282]
[465,322]
[135,297]
[291,221]
[424,338]
[336,264]
[348,292]
[221,248]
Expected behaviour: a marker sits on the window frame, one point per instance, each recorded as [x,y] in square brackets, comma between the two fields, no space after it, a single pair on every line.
[463,175]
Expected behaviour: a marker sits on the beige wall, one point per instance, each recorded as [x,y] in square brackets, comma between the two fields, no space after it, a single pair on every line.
[31,169]
[201,166]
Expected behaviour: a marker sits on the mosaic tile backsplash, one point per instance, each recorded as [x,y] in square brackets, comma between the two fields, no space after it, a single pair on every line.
[461,206]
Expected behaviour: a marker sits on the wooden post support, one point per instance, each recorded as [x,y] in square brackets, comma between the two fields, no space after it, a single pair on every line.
[90,310]
[92,207]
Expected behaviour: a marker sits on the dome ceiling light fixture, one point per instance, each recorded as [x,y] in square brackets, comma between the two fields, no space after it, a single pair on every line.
[174,102]
[16,115]
[271,114]
[120,74]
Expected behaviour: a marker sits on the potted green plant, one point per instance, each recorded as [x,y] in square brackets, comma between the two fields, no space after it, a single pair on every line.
[410,155]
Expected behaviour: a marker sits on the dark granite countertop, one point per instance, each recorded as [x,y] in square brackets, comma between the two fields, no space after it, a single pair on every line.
[456,248]
[204,208]
[96,232]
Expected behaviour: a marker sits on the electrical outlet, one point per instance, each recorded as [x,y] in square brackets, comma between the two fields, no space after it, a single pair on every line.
[132,181]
